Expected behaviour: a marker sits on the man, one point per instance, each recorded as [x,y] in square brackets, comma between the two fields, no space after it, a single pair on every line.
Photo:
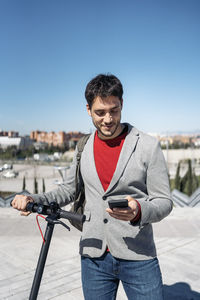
[118,162]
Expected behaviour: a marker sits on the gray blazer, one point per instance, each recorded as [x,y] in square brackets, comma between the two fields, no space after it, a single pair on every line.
[141,172]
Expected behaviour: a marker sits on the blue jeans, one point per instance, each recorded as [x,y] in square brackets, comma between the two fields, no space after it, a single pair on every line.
[141,279]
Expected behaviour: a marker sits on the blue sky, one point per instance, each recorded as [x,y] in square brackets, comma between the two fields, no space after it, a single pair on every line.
[50,49]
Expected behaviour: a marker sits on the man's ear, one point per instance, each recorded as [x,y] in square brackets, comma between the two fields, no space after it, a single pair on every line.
[88,110]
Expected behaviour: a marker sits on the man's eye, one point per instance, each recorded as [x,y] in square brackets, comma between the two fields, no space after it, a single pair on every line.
[114,111]
[100,113]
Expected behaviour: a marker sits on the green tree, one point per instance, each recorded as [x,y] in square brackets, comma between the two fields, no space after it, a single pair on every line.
[195,183]
[189,180]
[189,183]
[177,177]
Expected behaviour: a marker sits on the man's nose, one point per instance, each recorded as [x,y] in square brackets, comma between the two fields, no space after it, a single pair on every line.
[107,118]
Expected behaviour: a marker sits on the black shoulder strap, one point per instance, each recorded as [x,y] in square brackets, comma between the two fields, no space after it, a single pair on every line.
[80,146]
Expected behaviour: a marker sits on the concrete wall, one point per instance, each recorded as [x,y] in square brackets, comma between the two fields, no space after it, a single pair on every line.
[173,156]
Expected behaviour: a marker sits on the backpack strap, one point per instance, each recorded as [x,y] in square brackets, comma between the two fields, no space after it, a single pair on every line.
[80,146]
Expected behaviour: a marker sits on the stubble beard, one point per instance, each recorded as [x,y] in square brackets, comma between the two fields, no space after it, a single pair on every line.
[108,134]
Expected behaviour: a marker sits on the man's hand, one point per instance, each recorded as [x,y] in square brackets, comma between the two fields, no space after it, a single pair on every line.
[20,202]
[125,214]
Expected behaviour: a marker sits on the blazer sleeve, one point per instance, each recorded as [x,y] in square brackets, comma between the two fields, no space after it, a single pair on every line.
[158,203]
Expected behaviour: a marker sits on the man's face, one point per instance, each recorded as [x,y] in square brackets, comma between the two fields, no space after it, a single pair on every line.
[106,116]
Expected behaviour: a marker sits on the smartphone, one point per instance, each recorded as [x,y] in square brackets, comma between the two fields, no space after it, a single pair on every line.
[123,203]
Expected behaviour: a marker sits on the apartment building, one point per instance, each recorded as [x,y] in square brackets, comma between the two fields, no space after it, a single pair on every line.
[18,142]
[59,139]
[9,133]
[175,139]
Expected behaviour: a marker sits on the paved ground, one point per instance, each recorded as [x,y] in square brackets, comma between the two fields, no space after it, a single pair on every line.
[177,238]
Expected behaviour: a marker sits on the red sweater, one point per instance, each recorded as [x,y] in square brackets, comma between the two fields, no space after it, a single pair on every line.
[106,155]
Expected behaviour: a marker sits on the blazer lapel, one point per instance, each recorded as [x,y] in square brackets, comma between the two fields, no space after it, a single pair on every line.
[90,163]
[127,149]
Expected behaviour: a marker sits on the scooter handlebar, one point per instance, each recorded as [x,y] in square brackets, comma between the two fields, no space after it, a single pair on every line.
[49,210]
[71,216]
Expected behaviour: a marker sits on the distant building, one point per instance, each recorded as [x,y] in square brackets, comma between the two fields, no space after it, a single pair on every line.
[9,133]
[41,156]
[166,140]
[40,145]
[47,157]
[60,139]
[175,139]
[18,142]
[184,139]
[196,141]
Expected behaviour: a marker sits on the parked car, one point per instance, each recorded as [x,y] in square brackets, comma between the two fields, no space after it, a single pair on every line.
[10,174]
[7,167]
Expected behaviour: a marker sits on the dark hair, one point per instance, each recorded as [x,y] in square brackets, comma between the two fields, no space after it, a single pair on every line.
[103,86]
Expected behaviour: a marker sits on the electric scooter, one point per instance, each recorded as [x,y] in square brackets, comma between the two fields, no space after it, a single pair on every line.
[54,213]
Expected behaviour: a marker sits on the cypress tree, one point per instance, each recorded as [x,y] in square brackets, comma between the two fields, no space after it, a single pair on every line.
[183,183]
[188,184]
[177,177]
[195,183]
